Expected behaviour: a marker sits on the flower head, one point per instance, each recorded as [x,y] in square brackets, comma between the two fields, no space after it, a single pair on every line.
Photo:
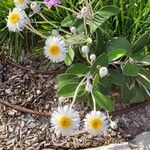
[96,123]
[65,121]
[21,3]
[55,49]
[17,19]
[50,3]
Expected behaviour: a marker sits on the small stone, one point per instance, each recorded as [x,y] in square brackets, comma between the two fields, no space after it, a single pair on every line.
[11,113]
[38,92]
[2,128]
[7,91]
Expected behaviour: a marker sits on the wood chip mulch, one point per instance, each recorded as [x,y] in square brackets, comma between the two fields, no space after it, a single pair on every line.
[21,131]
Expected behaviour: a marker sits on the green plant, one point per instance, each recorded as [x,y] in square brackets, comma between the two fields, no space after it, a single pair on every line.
[111,61]
[99,56]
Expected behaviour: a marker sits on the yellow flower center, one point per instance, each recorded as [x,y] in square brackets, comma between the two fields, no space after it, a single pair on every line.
[65,121]
[14,18]
[20,1]
[54,49]
[96,123]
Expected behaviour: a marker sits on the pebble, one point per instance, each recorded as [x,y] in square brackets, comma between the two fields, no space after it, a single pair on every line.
[7,91]
[2,128]
[38,92]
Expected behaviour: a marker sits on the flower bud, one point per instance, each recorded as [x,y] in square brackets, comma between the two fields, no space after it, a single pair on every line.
[103,71]
[113,124]
[89,88]
[55,32]
[92,57]
[85,49]
[28,21]
[35,7]
[73,30]
[85,12]
[56,87]
[61,99]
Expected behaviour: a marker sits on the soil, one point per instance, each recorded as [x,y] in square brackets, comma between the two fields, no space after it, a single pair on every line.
[35,91]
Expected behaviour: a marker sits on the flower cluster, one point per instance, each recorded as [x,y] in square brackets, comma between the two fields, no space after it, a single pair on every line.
[65,121]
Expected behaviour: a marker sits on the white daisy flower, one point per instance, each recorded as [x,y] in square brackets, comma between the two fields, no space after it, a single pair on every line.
[17,19]
[96,123]
[21,3]
[65,121]
[55,49]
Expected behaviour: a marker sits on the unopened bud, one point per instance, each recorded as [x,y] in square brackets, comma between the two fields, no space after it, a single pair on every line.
[73,30]
[55,32]
[103,71]
[113,124]
[61,99]
[92,57]
[89,88]
[85,49]
[85,12]
[35,7]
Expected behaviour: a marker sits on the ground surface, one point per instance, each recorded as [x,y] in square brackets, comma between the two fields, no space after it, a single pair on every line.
[24,131]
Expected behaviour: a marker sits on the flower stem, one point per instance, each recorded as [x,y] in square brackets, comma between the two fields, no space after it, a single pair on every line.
[76,91]
[61,6]
[85,26]
[94,101]
[32,29]
[55,26]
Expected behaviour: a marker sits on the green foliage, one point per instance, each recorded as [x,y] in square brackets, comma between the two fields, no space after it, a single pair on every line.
[131,69]
[79,69]
[117,32]
[103,101]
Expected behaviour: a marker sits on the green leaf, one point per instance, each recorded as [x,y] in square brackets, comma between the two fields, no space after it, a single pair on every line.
[144,78]
[67,90]
[119,44]
[139,95]
[108,11]
[130,69]
[127,93]
[103,101]
[141,42]
[116,54]
[96,82]
[68,21]
[79,25]
[102,61]
[133,94]
[69,56]
[101,16]
[117,78]
[79,69]
[64,79]
[146,60]
[105,85]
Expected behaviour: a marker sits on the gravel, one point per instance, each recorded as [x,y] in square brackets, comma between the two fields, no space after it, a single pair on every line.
[19,131]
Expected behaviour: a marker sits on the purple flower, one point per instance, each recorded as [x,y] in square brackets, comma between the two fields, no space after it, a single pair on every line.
[50,3]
